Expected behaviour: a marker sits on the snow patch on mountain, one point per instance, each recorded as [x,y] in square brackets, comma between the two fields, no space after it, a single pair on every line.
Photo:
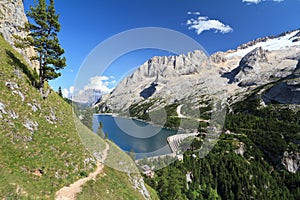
[277,43]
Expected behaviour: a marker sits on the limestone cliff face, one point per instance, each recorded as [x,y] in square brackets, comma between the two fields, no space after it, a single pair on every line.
[12,16]
[286,91]
[173,78]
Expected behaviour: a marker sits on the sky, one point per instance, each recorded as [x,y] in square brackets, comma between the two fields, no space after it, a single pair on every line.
[217,25]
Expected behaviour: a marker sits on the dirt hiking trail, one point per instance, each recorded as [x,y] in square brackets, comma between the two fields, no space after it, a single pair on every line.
[70,192]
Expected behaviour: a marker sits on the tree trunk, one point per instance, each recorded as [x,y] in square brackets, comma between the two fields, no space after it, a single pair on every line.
[41,75]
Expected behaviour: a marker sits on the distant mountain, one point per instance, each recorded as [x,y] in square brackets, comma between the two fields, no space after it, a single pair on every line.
[88,96]
[192,76]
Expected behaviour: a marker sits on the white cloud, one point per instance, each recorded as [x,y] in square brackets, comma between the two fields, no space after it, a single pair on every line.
[95,87]
[102,83]
[203,23]
[67,93]
[193,13]
[252,1]
[91,92]
[72,89]
[258,1]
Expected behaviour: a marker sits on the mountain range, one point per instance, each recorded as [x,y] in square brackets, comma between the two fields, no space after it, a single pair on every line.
[236,72]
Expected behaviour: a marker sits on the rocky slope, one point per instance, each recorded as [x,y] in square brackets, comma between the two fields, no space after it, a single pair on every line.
[160,78]
[286,91]
[33,134]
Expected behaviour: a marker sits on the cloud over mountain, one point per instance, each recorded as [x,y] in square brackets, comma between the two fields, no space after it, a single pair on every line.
[102,83]
[203,23]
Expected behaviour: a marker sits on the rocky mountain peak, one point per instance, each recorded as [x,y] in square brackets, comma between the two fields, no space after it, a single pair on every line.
[252,59]
[251,63]
[169,66]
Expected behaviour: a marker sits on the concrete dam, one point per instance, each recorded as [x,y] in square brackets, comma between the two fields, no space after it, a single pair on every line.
[175,141]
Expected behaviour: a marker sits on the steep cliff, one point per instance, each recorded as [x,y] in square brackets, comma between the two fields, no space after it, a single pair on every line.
[12,17]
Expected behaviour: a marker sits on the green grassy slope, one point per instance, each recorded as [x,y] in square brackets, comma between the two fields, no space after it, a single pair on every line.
[114,183]
[53,147]
[117,189]
[40,148]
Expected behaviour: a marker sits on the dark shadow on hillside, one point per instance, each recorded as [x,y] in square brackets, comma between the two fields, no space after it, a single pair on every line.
[231,75]
[14,61]
[149,91]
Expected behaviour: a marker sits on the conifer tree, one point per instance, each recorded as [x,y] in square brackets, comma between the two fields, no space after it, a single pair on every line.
[100,130]
[42,36]
[60,92]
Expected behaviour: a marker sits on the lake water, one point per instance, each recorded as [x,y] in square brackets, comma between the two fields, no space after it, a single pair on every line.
[133,135]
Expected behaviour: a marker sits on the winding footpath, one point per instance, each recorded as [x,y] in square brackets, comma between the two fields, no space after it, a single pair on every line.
[178,110]
[69,192]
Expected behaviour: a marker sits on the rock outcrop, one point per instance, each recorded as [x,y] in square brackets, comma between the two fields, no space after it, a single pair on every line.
[251,64]
[286,92]
[291,162]
[12,17]
[261,66]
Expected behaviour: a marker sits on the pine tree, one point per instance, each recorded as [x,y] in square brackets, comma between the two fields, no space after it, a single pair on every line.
[43,37]
[100,130]
[88,118]
[59,91]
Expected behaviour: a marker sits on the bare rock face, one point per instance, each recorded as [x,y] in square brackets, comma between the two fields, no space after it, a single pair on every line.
[260,67]
[251,64]
[291,162]
[286,92]
[241,150]
[12,16]
[159,78]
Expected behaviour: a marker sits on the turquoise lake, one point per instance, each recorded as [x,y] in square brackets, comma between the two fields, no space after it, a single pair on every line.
[133,135]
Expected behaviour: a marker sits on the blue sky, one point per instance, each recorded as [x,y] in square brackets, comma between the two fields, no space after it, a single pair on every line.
[218,25]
